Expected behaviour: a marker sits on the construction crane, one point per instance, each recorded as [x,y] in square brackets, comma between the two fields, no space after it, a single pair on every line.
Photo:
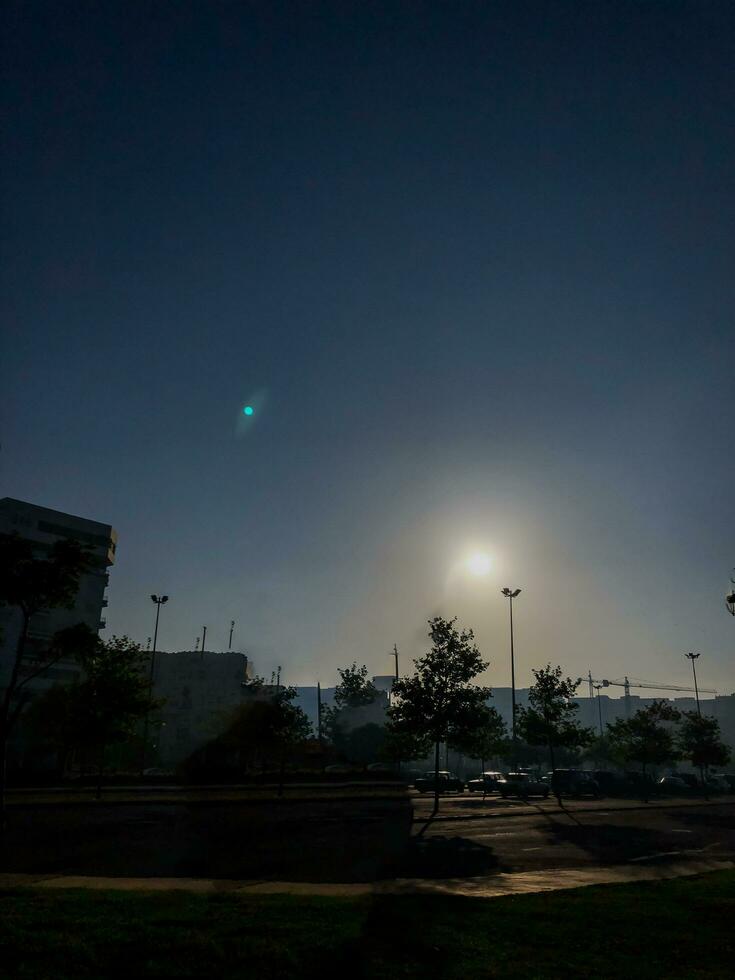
[649,685]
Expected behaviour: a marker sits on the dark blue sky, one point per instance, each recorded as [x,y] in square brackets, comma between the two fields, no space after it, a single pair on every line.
[471,262]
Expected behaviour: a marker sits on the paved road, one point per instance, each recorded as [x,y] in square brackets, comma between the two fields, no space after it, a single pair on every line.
[358,840]
[515,837]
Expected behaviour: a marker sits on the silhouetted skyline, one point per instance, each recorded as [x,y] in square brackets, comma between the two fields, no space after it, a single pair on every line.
[470,265]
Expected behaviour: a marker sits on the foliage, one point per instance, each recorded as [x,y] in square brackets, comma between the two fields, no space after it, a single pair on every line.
[643,738]
[266,724]
[550,718]
[30,584]
[356,736]
[105,706]
[404,746]
[601,750]
[363,744]
[354,691]
[700,742]
[438,703]
[354,688]
[438,700]
[488,739]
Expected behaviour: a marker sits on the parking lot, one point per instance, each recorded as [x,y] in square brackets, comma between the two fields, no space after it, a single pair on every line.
[475,837]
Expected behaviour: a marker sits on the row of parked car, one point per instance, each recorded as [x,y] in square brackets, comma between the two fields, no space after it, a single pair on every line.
[521,784]
[684,783]
[572,782]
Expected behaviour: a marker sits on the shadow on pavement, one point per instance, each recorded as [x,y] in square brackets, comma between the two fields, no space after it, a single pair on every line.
[447,857]
[612,843]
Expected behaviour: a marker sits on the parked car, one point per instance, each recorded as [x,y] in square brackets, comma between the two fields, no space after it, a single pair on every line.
[674,784]
[729,778]
[689,778]
[485,782]
[610,783]
[448,782]
[574,782]
[639,782]
[522,785]
[716,784]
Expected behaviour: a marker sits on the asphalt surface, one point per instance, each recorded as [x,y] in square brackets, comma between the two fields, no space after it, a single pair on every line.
[361,840]
[514,837]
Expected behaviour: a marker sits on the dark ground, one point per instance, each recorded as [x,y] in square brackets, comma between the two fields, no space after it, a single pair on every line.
[678,930]
[343,840]
[338,840]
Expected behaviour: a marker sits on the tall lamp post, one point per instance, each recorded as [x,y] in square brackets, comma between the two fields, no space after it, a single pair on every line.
[510,595]
[693,657]
[159,601]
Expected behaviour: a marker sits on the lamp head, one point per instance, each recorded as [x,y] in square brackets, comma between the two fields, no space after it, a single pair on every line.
[164,598]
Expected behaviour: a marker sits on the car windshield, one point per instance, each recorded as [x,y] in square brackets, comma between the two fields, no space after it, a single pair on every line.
[516,777]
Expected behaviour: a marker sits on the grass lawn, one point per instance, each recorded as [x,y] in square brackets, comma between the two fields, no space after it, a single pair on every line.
[681,928]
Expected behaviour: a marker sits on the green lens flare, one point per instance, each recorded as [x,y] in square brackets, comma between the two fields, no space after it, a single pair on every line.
[248,410]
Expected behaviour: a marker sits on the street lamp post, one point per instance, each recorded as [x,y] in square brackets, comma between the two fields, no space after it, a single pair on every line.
[510,595]
[159,601]
[693,657]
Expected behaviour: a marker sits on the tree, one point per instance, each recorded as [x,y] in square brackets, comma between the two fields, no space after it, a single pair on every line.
[353,691]
[700,742]
[402,746]
[341,723]
[104,708]
[29,585]
[549,720]
[644,738]
[268,724]
[364,744]
[600,751]
[354,688]
[438,703]
[490,738]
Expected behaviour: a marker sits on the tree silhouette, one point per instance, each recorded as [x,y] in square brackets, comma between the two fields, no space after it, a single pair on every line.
[549,720]
[105,707]
[29,585]
[438,703]
[644,738]
[488,739]
[700,742]
[268,725]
